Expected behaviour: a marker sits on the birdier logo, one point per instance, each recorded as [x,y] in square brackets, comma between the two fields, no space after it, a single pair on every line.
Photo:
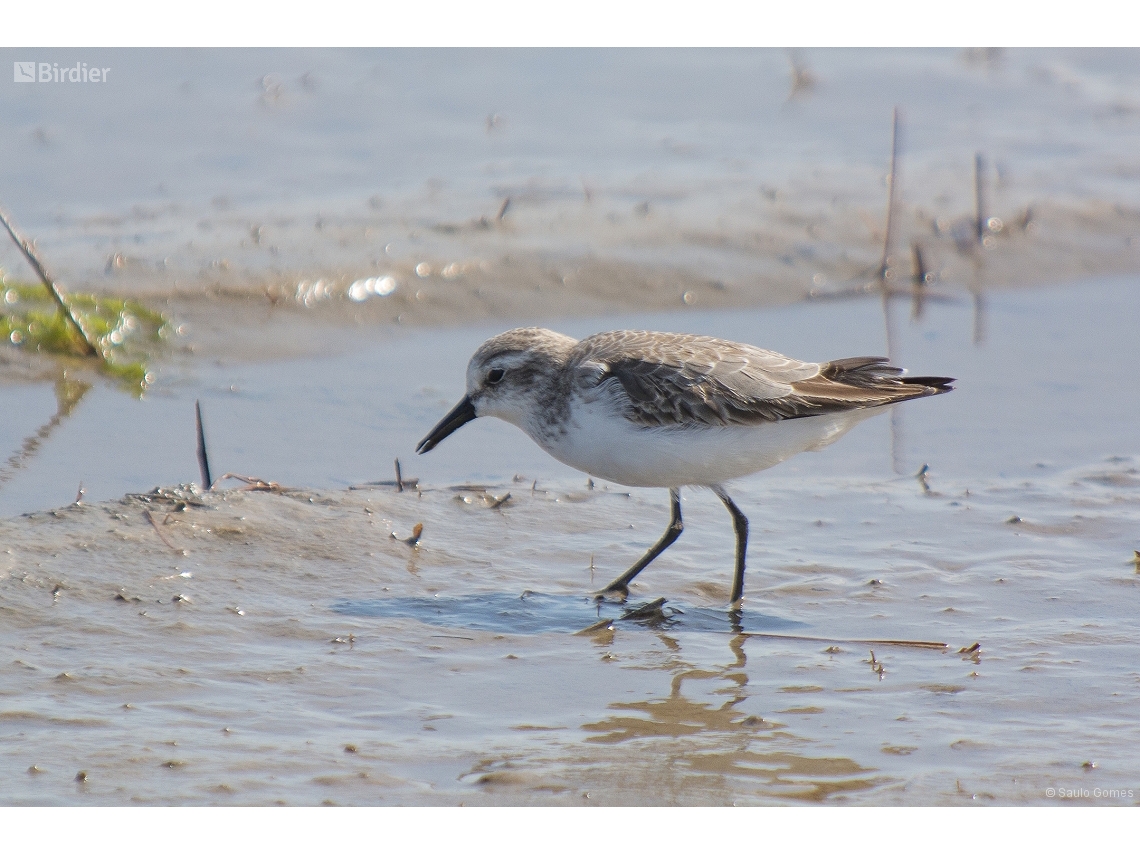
[52,72]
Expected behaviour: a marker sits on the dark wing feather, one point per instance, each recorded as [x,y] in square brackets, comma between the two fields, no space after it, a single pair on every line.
[673,379]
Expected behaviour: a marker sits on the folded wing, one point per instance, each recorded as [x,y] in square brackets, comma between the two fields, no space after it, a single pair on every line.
[674,379]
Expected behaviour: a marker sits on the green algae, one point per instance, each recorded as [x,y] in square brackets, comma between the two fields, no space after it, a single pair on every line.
[126,333]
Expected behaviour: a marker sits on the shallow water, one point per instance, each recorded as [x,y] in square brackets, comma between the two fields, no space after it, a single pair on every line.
[193,170]
[284,646]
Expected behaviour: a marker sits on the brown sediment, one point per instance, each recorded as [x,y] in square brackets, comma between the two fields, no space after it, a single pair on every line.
[487,276]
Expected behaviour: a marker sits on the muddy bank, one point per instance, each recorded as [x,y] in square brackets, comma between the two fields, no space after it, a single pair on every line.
[1040,246]
[259,647]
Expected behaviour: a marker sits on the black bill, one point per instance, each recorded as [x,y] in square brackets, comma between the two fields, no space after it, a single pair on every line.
[463,413]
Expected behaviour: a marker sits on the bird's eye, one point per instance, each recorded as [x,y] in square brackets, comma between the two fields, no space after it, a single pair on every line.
[495,375]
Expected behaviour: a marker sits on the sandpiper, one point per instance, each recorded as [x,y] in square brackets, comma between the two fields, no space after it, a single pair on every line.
[652,409]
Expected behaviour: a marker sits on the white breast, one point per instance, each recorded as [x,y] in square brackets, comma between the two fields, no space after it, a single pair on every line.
[604,444]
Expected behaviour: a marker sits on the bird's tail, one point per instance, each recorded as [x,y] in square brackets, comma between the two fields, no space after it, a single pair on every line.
[876,372]
[934,385]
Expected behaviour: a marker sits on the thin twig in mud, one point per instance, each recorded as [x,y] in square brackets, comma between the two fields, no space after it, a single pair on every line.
[255,484]
[371,485]
[897,444]
[503,210]
[979,198]
[655,609]
[884,264]
[920,476]
[399,477]
[920,273]
[975,287]
[921,280]
[885,274]
[150,519]
[494,503]
[876,666]
[203,460]
[56,292]
[922,645]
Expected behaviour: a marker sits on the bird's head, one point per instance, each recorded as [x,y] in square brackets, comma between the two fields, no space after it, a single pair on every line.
[506,378]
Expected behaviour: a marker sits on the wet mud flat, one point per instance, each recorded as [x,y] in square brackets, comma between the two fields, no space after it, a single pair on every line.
[249,647]
[291,645]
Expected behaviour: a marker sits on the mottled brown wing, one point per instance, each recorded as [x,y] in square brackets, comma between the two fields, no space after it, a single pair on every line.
[673,379]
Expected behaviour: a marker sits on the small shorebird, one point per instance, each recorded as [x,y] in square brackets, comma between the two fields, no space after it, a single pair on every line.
[650,409]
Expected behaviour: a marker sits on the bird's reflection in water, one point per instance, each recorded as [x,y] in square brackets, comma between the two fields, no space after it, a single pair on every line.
[719,747]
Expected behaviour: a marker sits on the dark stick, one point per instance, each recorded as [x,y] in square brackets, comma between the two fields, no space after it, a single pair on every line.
[919,265]
[920,282]
[57,295]
[883,265]
[203,460]
[503,209]
[399,478]
[923,645]
[158,531]
[892,354]
[979,199]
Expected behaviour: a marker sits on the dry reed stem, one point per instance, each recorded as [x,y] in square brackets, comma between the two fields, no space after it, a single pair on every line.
[56,292]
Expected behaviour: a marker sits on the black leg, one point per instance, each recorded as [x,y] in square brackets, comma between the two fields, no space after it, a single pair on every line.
[620,585]
[740,526]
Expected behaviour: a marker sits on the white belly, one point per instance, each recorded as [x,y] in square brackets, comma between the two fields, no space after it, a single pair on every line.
[613,449]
